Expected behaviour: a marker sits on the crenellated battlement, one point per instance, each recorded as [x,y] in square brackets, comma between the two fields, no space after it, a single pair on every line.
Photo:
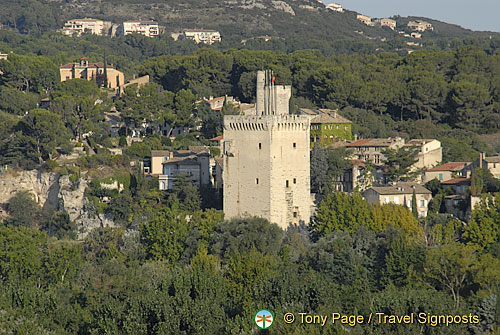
[266,123]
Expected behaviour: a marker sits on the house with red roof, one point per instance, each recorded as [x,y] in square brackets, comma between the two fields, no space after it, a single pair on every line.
[446,171]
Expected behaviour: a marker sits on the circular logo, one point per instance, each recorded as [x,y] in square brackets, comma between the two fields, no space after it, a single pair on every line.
[263,319]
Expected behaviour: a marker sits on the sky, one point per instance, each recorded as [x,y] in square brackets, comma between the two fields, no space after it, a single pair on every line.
[475,15]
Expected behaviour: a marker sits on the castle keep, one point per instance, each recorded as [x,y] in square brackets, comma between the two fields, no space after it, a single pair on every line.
[266,159]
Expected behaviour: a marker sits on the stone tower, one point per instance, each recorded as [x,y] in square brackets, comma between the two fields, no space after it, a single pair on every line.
[266,159]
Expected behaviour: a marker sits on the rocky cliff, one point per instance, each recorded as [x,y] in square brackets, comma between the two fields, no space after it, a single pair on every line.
[55,191]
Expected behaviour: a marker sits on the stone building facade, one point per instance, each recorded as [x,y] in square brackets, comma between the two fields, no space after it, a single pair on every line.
[266,159]
[92,71]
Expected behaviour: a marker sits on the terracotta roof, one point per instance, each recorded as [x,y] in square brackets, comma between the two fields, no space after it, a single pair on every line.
[451,166]
[199,149]
[359,143]
[189,160]
[456,181]
[328,118]
[218,138]
[160,153]
[494,159]
[419,141]
[374,142]
[199,31]
[84,20]
[141,22]
[308,111]
[215,99]
[357,162]
[90,65]
[401,188]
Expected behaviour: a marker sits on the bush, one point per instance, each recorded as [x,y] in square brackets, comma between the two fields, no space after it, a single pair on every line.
[51,165]
[214,151]
[123,142]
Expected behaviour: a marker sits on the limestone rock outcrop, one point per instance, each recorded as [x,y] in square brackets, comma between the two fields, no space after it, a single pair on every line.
[54,191]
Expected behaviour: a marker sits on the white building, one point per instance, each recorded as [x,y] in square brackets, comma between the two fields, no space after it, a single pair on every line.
[200,36]
[365,19]
[420,25]
[386,23]
[335,7]
[146,28]
[87,25]
[266,160]
[400,194]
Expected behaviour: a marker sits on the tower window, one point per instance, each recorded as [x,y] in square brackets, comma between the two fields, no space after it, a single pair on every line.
[295,214]
[287,184]
[295,180]
[260,146]
[257,181]
[295,145]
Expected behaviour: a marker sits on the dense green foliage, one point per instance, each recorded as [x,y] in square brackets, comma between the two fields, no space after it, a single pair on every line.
[199,274]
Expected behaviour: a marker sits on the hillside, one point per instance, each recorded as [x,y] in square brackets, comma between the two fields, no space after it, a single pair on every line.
[300,21]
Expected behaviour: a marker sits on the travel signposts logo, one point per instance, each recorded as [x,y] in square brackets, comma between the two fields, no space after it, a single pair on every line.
[264,319]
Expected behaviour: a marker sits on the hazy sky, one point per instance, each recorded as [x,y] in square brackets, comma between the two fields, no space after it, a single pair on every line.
[475,15]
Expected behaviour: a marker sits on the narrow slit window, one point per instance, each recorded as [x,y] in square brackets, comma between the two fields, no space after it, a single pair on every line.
[260,146]
[295,180]
[257,181]
[287,185]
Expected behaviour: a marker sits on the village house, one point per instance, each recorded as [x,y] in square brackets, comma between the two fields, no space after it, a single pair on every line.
[492,164]
[4,56]
[430,152]
[400,194]
[355,178]
[92,71]
[371,150]
[459,185]
[328,126]
[166,165]
[445,171]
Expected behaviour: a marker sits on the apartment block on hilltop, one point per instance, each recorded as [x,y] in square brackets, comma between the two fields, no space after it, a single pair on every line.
[93,26]
[400,194]
[365,19]
[199,36]
[420,25]
[145,28]
[386,23]
[335,7]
